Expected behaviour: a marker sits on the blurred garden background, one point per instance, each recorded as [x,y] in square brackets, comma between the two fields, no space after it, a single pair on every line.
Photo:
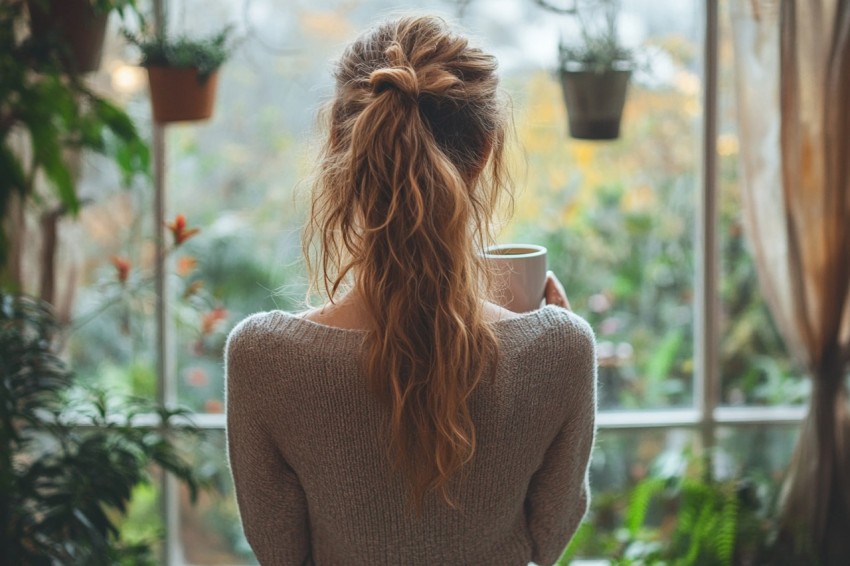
[618,218]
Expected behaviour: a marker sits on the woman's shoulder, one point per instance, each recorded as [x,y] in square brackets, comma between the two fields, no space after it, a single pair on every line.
[278,329]
[551,326]
[557,342]
[250,337]
[256,327]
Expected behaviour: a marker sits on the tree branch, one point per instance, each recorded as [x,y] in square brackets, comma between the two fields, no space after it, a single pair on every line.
[569,10]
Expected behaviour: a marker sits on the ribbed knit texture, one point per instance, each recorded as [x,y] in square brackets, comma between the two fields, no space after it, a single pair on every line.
[308,449]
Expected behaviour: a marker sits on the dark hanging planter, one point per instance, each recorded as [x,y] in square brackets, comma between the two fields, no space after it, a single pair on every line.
[74,23]
[181,94]
[595,102]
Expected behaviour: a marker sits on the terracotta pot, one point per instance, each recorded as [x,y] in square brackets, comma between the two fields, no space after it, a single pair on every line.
[179,95]
[595,102]
[75,23]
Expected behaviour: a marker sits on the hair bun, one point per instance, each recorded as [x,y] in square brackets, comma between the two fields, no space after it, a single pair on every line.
[400,78]
[399,75]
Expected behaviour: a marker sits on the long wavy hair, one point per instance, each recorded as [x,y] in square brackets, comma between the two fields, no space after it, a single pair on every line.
[409,180]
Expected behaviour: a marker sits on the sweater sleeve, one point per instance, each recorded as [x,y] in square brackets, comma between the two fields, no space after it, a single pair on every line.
[559,492]
[271,500]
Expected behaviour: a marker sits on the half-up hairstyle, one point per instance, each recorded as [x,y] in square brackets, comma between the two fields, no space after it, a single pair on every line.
[408,182]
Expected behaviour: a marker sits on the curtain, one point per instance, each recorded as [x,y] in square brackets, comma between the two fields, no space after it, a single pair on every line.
[792,60]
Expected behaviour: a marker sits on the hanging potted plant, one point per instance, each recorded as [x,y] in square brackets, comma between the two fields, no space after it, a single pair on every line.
[594,76]
[183,74]
[76,27]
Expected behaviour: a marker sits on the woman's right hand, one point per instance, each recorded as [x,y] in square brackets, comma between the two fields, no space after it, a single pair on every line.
[554,292]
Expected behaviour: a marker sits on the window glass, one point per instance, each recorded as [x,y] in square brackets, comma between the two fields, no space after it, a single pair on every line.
[760,452]
[755,365]
[210,531]
[106,257]
[617,216]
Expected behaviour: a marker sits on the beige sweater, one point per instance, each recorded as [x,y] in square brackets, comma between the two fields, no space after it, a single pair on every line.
[308,452]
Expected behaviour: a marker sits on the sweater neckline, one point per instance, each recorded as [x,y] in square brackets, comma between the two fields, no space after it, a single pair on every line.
[523,324]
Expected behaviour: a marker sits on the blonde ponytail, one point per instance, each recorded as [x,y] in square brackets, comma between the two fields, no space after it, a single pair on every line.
[400,204]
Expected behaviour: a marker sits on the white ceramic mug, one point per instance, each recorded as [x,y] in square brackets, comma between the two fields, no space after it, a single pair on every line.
[519,275]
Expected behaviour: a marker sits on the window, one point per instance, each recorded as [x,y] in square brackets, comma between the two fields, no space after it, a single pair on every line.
[619,220]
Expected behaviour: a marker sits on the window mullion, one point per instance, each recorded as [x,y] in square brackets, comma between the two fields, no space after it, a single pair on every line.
[707,375]
[166,384]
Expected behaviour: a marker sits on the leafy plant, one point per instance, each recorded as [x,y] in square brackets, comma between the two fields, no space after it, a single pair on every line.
[70,459]
[599,48]
[122,7]
[597,54]
[688,519]
[50,111]
[205,54]
[705,529]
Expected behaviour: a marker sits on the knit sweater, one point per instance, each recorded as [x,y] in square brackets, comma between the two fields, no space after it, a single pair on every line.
[307,446]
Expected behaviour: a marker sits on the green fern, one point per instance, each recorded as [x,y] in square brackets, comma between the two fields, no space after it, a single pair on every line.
[683,520]
[706,533]
[641,498]
[728,529]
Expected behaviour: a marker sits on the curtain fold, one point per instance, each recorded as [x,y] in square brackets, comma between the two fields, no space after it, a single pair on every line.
[792,62]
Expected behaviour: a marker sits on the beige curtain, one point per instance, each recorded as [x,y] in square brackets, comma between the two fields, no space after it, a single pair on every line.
[793,86]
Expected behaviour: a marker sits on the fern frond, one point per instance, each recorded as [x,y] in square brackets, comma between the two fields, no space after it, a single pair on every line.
[639,505]
[728,528]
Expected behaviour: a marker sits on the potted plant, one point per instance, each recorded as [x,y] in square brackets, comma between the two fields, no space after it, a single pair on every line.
[76,27]
[183,73]
[594,75]
[69,458]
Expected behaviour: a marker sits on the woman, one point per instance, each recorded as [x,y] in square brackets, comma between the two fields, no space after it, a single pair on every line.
[410,421]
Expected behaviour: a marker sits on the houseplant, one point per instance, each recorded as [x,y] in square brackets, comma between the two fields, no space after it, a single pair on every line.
[594,75]
[183,73]
[681,516]
[46,118]
[69,460]
[76,27]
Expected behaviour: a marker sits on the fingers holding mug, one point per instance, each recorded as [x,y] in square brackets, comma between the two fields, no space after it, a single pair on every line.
[554,292]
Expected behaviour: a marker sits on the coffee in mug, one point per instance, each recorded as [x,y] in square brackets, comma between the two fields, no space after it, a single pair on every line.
[519,275]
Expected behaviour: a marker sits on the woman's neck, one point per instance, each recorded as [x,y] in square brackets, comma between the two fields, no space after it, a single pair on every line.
[350,312]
